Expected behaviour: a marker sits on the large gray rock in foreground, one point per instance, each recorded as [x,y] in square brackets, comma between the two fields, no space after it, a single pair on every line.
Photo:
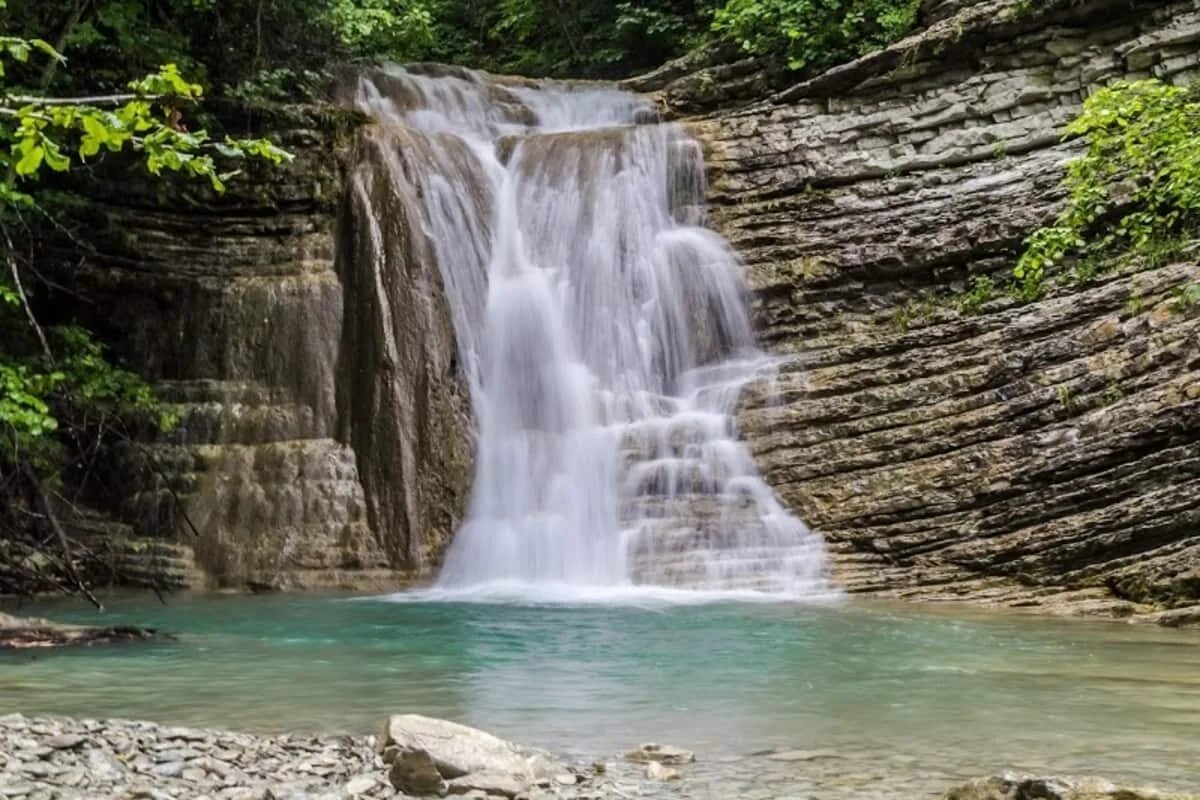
[1024,787]
[460,754]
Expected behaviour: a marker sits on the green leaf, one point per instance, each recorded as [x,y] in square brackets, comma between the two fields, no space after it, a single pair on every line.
[31,161]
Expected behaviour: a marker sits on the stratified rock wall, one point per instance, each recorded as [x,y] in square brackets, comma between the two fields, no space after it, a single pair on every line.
[234,307]
[1034,453]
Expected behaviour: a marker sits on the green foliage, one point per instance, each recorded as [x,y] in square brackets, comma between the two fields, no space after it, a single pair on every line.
[983,290]
[566,38]
[815,33]
[376,27]
[913,312]
[1185,297]
[57,384]
[1136,188]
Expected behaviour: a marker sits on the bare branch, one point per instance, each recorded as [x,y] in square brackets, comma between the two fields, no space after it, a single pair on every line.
[16,276]
[95,100]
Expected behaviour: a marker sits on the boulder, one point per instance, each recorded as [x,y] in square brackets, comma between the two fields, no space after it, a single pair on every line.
[458,750]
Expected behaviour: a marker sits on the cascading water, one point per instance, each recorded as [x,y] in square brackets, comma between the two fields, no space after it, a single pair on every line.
[604,335]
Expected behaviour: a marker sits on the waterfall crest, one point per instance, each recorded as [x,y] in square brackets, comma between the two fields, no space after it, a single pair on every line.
[602,330]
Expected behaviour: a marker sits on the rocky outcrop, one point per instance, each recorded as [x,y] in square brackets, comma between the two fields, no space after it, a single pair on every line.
[256,326]
[1044,454]
[406,409]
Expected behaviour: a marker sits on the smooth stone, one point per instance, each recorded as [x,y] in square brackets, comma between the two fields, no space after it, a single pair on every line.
[459,750]
[495,784]
[360,785]
[661,753]
[104,767]
[171,769]
[65,741]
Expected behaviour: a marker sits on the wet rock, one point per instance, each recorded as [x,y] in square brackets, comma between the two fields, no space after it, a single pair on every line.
[414,772]
[656,771]
[801,755]
[662,754]
[1023,787]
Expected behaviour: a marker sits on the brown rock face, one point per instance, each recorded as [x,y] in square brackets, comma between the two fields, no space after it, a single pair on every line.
[1033,454]
[406,407]
[317,401]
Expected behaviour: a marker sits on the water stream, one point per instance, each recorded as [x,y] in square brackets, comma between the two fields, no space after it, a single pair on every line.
[881,701]
[604,334]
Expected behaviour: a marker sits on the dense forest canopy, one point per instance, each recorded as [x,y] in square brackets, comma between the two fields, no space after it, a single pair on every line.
[227,44]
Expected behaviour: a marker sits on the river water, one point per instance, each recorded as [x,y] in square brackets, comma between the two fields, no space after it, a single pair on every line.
[880,699]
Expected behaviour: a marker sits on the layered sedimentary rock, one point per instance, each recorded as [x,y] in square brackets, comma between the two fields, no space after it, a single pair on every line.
[279,471]
[1038,453]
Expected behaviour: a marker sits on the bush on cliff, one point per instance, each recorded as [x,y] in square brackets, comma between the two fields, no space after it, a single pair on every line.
[1135,189]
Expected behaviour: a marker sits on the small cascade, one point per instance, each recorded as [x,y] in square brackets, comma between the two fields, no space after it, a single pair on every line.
[603,332]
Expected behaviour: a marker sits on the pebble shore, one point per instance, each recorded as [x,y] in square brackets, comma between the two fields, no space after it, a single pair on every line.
[60,758]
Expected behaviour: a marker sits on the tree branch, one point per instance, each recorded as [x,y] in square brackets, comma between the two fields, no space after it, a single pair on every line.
[94,100]
[63,542]
[16,276]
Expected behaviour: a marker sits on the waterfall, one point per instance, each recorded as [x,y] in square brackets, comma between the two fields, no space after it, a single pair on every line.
[603,332]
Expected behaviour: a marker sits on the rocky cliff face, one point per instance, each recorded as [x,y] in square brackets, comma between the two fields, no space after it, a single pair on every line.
[291,368]
[1045,454]
[1042,454]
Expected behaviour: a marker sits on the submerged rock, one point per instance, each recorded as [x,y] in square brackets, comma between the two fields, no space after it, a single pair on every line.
[1025,787]
[21,633]
[661,753]
[656,771]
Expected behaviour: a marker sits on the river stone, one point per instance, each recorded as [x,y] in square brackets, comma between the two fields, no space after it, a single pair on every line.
[459,750]
[414,772]
[494,784]
[802,755]
[661,753]
[360,785]
[65,741]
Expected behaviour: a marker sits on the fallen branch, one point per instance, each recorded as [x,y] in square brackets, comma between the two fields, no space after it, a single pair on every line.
[63,542]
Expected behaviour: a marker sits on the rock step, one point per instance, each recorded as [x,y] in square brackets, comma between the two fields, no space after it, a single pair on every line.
[695,508]
[214,422]
[675,475]
[220,391]
[682,435]
[754,569]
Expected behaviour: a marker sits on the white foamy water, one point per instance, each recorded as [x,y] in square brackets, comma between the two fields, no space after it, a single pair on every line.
[604,334]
